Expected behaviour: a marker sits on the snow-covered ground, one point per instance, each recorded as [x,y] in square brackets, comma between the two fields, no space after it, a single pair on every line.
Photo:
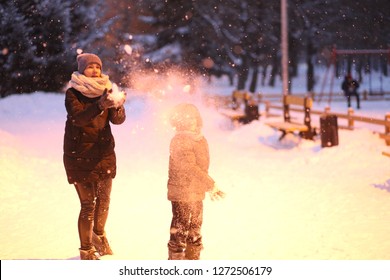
[285,201]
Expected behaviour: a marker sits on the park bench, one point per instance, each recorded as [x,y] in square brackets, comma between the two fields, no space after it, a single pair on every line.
[244,108]
[303,129]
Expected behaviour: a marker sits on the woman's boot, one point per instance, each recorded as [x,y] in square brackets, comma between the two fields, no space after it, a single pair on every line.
[90,254]
[101,244]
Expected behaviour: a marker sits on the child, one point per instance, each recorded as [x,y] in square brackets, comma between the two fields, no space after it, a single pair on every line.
[89,156]
[188,182]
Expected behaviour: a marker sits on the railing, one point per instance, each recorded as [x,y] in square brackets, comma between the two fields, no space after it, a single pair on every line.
[350,117]
[338,96]
[261,97]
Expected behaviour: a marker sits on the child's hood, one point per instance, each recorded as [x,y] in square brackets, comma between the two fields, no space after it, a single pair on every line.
[182,114]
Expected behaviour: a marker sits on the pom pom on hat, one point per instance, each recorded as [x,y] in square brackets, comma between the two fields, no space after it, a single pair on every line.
[84,59]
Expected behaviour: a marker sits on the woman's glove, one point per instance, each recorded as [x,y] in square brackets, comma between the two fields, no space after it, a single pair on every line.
[105,102]
[117,96]
[216,193]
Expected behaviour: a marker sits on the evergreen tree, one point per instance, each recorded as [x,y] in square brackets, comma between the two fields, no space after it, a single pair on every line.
[50,37]
[41,41]
[17,53]
[118,48]
[40,38]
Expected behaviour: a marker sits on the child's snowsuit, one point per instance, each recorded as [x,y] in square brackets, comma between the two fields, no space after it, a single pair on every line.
[187,184]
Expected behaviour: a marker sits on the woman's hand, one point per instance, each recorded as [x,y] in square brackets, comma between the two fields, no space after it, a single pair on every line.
[105,102]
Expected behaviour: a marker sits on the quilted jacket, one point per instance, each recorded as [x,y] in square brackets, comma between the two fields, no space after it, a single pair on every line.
[88,142]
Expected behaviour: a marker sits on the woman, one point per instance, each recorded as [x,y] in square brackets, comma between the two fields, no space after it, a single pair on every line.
[89,156]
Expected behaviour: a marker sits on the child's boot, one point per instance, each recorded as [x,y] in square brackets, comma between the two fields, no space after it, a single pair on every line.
[193,252]
[101,244]
[176,255]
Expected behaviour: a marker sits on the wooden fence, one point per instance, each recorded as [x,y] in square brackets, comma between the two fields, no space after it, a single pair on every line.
[261,97]
[350,117]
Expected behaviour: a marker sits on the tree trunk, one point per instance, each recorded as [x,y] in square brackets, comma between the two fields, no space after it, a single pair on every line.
[263,75]
[253,85]
[274,71]
[310,67]
[242,74]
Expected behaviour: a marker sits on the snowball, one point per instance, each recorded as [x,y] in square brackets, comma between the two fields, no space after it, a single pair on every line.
[119,97]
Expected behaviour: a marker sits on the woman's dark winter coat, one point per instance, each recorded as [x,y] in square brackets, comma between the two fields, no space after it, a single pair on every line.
[88,142]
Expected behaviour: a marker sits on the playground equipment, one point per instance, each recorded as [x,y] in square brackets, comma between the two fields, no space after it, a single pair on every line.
[333,64]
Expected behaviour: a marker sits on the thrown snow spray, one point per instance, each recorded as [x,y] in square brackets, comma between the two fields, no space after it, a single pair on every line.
[119,97]
[172,83]
[168,86]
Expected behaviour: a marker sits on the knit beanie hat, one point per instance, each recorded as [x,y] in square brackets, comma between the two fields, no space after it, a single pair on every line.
[182,114]
[84,59]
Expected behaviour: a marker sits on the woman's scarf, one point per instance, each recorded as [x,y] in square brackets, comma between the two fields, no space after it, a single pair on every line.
[90,87]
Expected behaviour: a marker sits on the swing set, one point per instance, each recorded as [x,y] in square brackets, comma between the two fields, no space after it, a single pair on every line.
[350,53]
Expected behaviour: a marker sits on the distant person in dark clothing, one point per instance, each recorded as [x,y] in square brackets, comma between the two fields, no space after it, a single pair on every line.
[350,88]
